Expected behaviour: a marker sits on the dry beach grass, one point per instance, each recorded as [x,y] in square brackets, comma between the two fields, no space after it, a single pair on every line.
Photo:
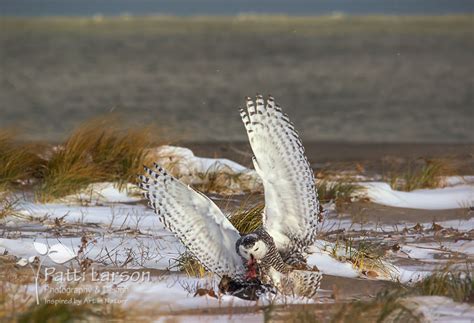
[18,161]
[98,150]
[421,173]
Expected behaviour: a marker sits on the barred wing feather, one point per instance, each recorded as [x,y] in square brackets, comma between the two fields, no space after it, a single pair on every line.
[291,203]
[197,222]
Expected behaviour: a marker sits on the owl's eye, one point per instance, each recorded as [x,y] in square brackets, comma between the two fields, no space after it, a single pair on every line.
[256,249]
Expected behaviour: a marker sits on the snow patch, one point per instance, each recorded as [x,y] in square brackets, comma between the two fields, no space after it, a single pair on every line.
[104,193]
[177,293]
[330,266]
[226,175]
[439,309]
[323,253]
[457,197]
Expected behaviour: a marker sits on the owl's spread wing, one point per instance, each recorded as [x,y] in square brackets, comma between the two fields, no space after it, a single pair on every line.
[291,203]
[197,222]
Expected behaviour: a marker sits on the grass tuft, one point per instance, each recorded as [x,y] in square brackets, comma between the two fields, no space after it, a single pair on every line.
[63,311]
[119,153]
[384,307]
[458,285]
[224,182]
[190,265]
[8,206]
[71,308]
[364,255]
[339,191]
[248,220]
[96,151]
[420,174]
[18,162]
[69,169]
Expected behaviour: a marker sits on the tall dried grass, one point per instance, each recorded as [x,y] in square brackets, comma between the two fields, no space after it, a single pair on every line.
[456,284]
[8,206]
[187,263]
[247,220]
[18,161]
[424,173]
[339,191]
[364,255]
[98,150]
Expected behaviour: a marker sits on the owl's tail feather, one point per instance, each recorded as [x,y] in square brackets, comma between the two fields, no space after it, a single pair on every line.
[306,283]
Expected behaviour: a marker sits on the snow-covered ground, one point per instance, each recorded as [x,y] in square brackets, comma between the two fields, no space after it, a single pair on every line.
[228,176]
[114,212]
[439,309]
[124,229]
[460,196]
[122,232]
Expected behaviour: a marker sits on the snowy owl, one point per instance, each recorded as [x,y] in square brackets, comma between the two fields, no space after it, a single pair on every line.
[275,253]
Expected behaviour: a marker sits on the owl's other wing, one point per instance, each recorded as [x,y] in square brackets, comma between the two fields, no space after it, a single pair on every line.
[291,202]
[197,222]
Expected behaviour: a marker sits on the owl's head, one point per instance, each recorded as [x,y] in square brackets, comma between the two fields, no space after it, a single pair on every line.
[251,246]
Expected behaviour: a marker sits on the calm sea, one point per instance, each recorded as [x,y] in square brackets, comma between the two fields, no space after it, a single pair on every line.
[221,7]
[389,84]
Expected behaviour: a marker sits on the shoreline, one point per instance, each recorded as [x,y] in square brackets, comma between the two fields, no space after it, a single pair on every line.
[322,151]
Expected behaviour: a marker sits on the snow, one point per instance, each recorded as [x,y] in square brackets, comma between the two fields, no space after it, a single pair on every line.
[457,180]
[162,248]
[177,293]
[344,222]
[103,193]
[186,162]
[107,192]
[19,248]
[460,196]
[432,256]
[230,177]
[122,227]
[116,216]
[321,256]
[330,266]
[430,250]
[412,275]
[156,240]
[146,251]
[439,309]
[420,252]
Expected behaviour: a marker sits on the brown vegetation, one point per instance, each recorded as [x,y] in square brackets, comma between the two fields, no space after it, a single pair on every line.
[97,150]
[18,161]
[422,173]
[390,305]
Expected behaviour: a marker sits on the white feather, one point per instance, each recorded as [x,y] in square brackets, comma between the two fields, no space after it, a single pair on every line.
[197,222]
[291,203]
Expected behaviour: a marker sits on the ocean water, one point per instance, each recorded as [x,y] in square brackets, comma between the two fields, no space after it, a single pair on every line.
[339,78]
[219,7]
